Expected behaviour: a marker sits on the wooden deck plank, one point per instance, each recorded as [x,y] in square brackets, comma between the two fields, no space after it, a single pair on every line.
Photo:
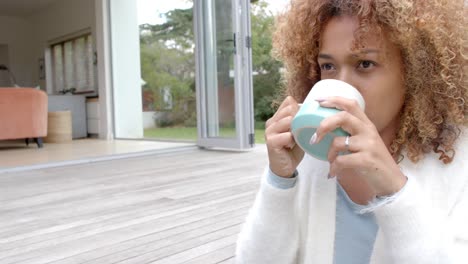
[200,250]
[215,256]
[186,249]
[101,233]
[85,215]
[142,200]
[132,247]
[83,187]
[227,261]
[170,208]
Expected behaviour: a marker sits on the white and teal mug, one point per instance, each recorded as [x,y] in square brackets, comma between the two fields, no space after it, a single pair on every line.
[310,114]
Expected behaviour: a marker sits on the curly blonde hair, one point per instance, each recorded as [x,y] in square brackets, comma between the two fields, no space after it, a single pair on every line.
[432,37]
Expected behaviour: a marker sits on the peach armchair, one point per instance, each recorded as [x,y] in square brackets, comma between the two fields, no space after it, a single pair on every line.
[23,114]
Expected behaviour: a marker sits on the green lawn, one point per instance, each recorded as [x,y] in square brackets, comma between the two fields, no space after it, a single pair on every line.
[190,133]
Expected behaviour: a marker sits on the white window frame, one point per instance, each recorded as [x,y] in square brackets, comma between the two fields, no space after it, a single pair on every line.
[90,61]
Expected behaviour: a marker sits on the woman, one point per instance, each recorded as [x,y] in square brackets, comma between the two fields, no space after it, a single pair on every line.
[400,196]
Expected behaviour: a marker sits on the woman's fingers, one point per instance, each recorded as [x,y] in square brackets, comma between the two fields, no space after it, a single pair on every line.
[345,104]
[281,123]
[281,140]
[368,155]
[338,147]
[354,161]
[372,172]
[283,154]
[280,126]
[288,107]
[344,120]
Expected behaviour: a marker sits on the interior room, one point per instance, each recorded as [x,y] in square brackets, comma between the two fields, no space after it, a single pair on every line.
[50,45]
[62,48]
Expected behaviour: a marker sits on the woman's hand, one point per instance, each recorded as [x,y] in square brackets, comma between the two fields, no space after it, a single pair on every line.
[368,156]
[283,153]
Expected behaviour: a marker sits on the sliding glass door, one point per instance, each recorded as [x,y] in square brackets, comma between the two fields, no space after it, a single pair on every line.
[223,76]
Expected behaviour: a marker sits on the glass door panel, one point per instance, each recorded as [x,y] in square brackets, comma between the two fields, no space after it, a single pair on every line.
[223,80]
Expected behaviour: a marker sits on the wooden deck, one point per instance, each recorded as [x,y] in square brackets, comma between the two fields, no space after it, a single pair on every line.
[182,207]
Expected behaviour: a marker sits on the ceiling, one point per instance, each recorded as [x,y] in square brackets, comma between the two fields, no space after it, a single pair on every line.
[22,7]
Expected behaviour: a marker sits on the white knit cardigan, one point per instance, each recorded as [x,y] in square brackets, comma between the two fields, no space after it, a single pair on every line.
[427,223]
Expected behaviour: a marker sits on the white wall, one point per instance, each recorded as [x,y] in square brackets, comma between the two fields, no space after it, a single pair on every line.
[16,33]
[106,104]
[148,119]
[28,37]
[126,80]
[58,20]
[5,79]
[118,69]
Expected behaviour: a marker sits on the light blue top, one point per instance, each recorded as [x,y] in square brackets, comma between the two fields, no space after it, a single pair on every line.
[355,231]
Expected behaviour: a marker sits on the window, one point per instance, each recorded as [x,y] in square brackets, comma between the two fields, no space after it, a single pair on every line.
[73,64]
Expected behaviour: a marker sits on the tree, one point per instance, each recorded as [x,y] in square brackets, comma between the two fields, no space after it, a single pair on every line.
[167,55]
[177,29]
[267,77]
[168,64]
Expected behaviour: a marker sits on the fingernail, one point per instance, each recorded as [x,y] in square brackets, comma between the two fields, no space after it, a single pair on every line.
[292,145]
[320,99]
[313,139]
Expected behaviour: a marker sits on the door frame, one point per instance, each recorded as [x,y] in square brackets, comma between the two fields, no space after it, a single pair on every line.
[243,90]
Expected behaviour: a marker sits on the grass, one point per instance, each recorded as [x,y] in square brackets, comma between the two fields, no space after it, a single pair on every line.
[190,133]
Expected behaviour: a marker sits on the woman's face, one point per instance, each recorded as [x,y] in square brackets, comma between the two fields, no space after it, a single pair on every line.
[375,70]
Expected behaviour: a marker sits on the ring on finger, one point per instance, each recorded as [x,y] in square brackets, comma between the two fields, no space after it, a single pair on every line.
[347,143]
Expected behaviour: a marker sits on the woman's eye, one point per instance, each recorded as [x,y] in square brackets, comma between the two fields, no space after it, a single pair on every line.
[327,67]
[366,64]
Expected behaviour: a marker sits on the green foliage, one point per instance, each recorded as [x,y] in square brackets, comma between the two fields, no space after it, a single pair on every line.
[190,133]
[178,28]
[168,63]
[267,76]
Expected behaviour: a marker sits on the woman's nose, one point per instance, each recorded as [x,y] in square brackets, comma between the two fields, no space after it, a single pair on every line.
[346,75]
